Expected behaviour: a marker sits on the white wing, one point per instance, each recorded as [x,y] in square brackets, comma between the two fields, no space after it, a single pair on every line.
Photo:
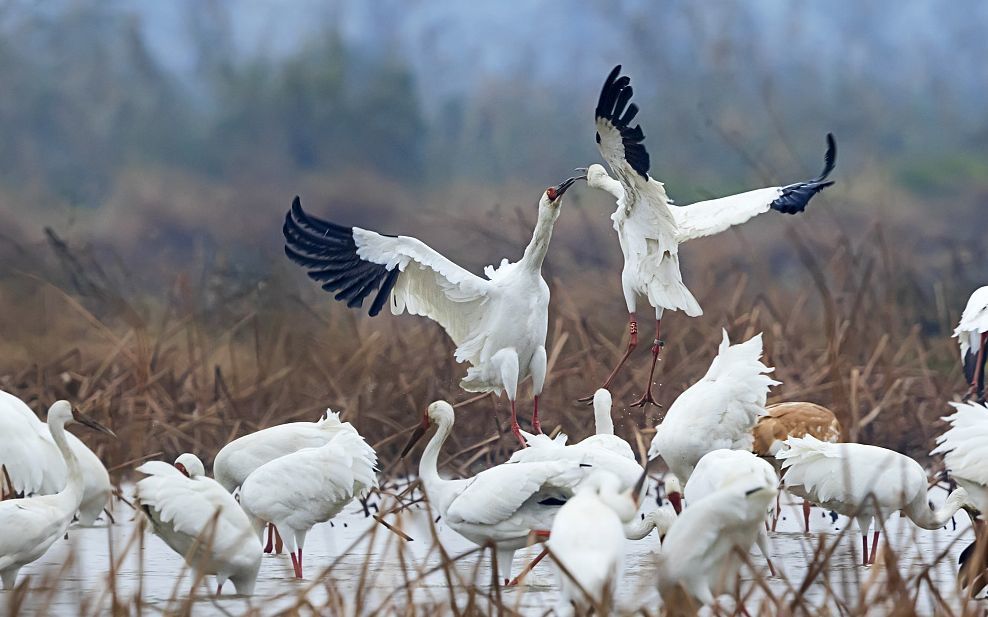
[706,218]
[357,262]
[644,203]
[496,494]
[719,411]
[725,468]
[189,505]
[974,321]
[965,450]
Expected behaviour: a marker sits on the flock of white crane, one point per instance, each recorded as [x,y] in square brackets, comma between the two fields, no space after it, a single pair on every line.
[724,448]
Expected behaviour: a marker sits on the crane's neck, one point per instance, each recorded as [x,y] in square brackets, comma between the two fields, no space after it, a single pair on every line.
[73,485]
[920,513]
[536,250]
[638,528]
[603,421]
[429,464]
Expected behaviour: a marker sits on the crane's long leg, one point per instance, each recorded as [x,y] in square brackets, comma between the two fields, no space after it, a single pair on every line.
[278,543]
[874,548]
[515,427]
[657,344]
[536,425]
[270,545]
[296,565]
[632,343]
[806,515]
[864,548]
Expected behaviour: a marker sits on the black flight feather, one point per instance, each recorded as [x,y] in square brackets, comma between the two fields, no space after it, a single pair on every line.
[614,97]
[795,197]
[328,252]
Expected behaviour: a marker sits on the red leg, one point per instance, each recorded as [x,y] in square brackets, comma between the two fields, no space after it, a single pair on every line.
[296,566]
[632,343]
[300,559]
[219,588]
[864,549]
[536,425]
[806,515]
[646,398]
[515,428]
[874,548]
[270,545]
[278,544]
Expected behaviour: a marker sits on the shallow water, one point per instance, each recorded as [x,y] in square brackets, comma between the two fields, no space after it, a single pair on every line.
[370,564]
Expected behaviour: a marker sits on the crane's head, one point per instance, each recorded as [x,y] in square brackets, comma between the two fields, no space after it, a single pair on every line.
[190,465]
[554,194]
[62,412]
[439,412]
[596,176]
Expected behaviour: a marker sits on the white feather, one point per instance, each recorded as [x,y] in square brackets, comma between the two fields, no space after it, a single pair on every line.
[202,522]
[35,466]
[974,322]
[717,412]
[964,447]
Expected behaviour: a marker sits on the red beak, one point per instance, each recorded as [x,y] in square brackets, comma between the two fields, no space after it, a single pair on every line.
[181,467]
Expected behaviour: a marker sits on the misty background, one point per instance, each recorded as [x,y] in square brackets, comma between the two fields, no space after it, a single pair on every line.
[166,136]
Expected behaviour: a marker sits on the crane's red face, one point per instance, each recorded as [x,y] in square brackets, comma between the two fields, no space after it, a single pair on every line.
[416,434]
[555,192]
[181,467]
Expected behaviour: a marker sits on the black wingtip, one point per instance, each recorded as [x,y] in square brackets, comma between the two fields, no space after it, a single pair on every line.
[796,197]
[328,252]
[613,106]
[829,159]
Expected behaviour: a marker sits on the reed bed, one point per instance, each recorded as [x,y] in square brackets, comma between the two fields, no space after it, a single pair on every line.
[203,357]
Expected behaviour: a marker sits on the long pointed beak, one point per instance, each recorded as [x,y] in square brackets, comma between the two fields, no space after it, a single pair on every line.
[93,424]
[637,491]
[416,435]
[565,184]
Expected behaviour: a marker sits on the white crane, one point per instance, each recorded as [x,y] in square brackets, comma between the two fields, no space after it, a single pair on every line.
[650,228]
[498,324]
[587,543]
[505,505]
[239,458]
[722,469]
[704,549]
[863,482]
[792,419]
[603,450]
[964,447]
[29,526]
[198,519]
[34,465]
[719,411]
[972,334]
[298,490]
